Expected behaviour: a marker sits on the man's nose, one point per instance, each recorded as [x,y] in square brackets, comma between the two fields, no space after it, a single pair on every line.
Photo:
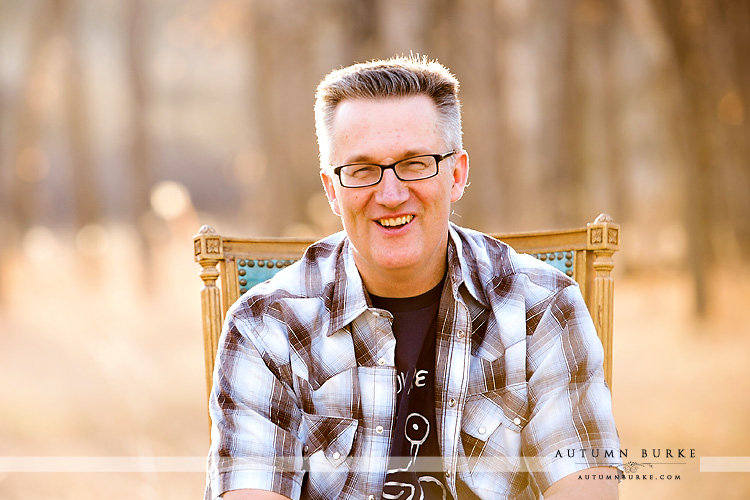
[391,191]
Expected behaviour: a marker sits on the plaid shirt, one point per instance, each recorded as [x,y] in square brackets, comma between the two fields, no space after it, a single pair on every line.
[304,391]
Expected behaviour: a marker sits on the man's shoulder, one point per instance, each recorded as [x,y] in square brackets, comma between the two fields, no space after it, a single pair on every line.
[311,277]
[494,261]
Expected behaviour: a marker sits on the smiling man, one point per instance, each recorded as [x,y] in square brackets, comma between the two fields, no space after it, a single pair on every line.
[406,357]
[398,227]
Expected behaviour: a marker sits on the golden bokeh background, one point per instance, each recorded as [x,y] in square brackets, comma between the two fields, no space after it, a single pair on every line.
[125,126]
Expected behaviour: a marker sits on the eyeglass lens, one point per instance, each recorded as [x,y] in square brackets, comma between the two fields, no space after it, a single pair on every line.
[410,169]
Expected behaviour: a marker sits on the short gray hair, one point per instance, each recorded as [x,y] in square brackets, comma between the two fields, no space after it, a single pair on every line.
[395,77]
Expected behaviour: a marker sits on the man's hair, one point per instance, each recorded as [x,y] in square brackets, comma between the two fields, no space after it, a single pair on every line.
[395,77]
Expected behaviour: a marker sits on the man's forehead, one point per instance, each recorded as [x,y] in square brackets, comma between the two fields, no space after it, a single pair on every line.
[366,129]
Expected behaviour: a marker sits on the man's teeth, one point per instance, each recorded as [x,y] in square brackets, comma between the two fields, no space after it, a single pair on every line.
[398,221]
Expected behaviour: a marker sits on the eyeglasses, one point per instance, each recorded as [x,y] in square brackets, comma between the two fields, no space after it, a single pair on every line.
[415,168]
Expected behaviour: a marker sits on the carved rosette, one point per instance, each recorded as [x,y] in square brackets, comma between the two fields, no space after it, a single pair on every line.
[207,244]
[603,234]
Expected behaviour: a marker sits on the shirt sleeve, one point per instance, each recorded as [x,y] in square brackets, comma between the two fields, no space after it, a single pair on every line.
[255,417]
[571,424]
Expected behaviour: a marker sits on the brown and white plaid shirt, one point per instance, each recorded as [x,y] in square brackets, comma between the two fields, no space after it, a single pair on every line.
[304,391]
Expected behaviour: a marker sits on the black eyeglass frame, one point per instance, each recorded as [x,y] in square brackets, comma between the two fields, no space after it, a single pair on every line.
[438,158]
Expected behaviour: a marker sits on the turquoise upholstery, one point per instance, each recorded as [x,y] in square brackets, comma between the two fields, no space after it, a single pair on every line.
[254,271]
[562,261]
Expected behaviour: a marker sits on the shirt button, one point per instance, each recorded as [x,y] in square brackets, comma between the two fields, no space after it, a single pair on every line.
[482,430]
[307,448]
[517,421]
[448,474]
[379,429]
[451,402]
[381,361]
[460,334]
[336,455]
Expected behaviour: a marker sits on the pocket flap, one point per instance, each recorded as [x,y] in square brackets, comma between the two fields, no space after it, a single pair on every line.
[481,417]
[515,402]
[487,411]
[333,435]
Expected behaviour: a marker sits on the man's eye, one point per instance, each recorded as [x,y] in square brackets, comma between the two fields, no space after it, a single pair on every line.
[414,165]
[363,170]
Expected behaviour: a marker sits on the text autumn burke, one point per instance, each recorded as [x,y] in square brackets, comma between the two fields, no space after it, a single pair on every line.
[623,453]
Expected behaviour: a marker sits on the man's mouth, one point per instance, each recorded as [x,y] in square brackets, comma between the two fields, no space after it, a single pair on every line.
[396,221]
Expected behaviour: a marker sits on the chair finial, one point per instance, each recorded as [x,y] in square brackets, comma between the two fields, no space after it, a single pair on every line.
[602,217]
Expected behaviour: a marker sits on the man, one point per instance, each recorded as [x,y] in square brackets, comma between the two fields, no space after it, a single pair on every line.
[407,357]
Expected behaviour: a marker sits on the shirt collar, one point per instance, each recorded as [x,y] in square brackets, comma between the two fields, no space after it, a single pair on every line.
[349,298]
[463,266]
[348,294]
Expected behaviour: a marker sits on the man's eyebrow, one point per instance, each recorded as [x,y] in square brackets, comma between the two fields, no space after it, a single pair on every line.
[362,158]
[359,159]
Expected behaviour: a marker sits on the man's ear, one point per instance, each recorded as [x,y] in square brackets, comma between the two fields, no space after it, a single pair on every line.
[460,175]
[329,185]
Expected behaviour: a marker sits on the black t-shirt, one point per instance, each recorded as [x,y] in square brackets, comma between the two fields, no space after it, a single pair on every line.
[415,437]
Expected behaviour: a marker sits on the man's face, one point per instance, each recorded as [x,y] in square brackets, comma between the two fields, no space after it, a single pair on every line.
[398,229]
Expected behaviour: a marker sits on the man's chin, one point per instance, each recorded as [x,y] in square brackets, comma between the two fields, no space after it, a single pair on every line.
[395,262]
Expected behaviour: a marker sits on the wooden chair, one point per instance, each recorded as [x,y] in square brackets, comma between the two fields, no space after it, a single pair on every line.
[237,264]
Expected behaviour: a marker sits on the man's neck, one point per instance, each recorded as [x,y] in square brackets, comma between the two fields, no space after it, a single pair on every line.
[406,282]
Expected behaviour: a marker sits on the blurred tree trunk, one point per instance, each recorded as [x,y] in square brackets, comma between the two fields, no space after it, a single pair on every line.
[512,93]
[592,163]
[85,189]
[402,27]
[687,33]
[710,41]
[140,147]
[286,52]
[276,46]
[730,37]
[27,113]
[558,112]
[474,22]
[5,208]
[609,173]
[564,114]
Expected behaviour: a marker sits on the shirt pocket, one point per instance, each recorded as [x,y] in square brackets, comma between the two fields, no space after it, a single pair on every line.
[491,428]
[333,436]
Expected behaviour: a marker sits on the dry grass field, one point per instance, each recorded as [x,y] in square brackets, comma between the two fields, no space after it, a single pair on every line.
[103,359]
